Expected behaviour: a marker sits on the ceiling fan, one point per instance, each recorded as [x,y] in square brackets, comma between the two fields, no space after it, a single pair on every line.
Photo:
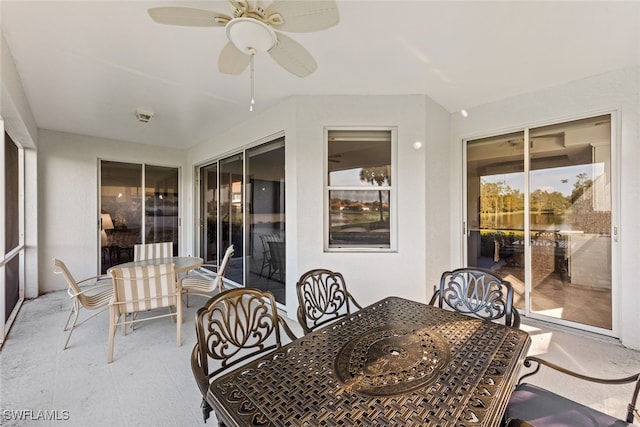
[255,29]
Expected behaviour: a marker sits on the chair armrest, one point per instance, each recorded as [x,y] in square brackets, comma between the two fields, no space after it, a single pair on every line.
[202,379]
[354,302]
[434,298]
[199,276]
[203,271]
[528,361]
[97,278]
[216,266]
[88,289]
[286,328]
[631,407]
[515,317]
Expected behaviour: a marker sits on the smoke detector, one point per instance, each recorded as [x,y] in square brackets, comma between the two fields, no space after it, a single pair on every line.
[144,115]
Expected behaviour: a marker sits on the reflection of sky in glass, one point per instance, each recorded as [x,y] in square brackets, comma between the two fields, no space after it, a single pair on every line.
[345,177]
[349,177]
[561,179]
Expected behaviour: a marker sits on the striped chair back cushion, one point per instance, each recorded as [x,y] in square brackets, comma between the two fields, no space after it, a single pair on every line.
[144,288]
[153,251]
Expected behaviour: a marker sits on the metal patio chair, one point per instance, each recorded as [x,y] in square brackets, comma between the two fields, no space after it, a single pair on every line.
[531,405]
[322,298]
[94,297]
[231,328]
[479,293]
[207,278]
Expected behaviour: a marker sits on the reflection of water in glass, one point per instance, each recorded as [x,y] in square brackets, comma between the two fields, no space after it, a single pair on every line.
[337,219]
[515,221]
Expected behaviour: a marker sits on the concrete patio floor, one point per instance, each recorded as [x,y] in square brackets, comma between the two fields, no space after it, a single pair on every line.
[150,382]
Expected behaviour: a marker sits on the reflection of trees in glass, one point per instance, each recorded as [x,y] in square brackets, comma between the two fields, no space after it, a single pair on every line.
[377,175]
[542,200]
[348,205]
[499,197]
[581,185]
[584,215]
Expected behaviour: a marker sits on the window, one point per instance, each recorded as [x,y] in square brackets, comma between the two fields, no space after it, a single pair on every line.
[359,194]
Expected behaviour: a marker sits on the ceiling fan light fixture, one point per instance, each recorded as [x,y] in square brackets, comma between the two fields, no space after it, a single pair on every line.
[251,36]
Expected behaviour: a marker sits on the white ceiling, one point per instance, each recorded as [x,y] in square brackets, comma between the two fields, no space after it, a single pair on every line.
[87,65]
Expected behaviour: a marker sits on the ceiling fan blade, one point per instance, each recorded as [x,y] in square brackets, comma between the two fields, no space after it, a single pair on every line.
[188,16]
[302,16]
[232,60]
[293,57]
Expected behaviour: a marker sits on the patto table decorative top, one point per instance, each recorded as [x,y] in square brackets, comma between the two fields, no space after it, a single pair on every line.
[392,360]
[396,362]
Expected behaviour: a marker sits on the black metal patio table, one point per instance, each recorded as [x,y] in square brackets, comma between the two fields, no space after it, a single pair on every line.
[396,362]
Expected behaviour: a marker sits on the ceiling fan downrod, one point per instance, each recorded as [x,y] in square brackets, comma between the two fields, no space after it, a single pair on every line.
[252,52]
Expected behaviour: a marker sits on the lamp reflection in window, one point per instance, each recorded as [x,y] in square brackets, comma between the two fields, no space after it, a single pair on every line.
[105,224]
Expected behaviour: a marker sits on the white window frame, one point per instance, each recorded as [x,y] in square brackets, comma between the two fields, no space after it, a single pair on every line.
[392,188]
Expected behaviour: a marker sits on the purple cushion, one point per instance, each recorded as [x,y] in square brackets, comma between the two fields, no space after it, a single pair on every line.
[543,408]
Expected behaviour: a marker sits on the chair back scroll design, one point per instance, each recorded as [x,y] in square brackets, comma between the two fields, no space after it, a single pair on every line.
[477,292]
[95,296]
[322,298]
[146,251]
[232,327]
[141,289]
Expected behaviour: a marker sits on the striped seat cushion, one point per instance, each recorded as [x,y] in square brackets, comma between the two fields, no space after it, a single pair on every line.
[145,288]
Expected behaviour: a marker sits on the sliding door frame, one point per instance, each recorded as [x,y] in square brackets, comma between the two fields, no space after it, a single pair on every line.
[198,201]
[615,176]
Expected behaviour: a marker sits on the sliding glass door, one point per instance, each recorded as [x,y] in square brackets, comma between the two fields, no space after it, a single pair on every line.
[161,205]
[496,208]
[231,218]
[138,204]
[266,247]
[242,203]
[209,213]
[540,215]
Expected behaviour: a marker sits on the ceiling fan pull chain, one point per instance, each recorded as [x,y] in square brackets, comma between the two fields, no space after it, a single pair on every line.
[253,101]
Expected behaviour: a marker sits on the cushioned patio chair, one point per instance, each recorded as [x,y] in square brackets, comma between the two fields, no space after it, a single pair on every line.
[141,290]
[531,405]
[322,299]
[231,328]
[479,293]
[92,293]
